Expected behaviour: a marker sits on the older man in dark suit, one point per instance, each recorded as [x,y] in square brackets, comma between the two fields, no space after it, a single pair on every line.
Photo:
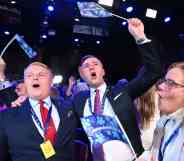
[42,128]
[116,103]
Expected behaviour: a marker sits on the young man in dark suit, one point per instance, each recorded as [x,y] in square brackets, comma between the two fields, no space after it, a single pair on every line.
[40,129]
[117,102]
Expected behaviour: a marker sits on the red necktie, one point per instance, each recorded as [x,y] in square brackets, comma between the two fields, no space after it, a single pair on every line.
[97,104]
[51,130]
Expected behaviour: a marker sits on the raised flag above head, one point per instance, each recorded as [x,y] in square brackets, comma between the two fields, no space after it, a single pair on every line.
[27,49]
[92,10]
[17,55]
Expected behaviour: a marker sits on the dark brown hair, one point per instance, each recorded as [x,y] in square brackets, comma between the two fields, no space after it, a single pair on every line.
[86,57]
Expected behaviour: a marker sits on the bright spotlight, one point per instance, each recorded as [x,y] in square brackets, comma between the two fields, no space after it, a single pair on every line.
[129,9]
[50,8]
[6,32]
[13,2]
[57,79]
[124,23]
[45,22]
[167,19]
[108,3]
[76,40]
[77,19]
[151,13]
[44,36]
[97,42]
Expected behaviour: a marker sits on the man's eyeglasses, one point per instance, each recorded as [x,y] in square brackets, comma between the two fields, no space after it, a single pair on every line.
[170,83]
[39,75]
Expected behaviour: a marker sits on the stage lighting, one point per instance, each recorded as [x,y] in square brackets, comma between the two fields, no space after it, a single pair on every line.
[77,19]
[57,79]
[50,8]
[6,32]
[129,9]
[97,42]
[13,2]
[76,40]
[124,23]
[167,19]
[45,22]
[108,3]
[151,13]
[51,32]
[44,36]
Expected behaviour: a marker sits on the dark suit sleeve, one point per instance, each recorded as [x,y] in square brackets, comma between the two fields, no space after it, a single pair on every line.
[3,141]
[151,71]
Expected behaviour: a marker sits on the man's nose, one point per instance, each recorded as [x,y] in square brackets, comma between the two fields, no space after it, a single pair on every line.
[91,66]
[35,77]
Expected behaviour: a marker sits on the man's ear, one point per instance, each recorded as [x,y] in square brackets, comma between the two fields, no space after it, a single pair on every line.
[80,72]
[104,73]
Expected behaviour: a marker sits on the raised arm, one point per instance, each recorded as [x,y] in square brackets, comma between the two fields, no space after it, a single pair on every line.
[150,52]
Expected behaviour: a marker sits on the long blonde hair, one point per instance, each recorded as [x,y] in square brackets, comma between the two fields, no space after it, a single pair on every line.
[146,106]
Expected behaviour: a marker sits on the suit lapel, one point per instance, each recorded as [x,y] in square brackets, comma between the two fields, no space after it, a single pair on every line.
[82,101]
[28,121]
[111,95]
[63,114]
[59,109]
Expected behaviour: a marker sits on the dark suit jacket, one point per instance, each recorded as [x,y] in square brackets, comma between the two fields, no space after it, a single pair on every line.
[122,97]
[20,138]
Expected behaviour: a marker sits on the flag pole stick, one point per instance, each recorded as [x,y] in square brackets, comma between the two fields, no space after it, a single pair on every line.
[2,53]
[115,15]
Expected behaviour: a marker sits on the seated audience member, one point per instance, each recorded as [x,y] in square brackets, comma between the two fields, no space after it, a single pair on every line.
[168,137]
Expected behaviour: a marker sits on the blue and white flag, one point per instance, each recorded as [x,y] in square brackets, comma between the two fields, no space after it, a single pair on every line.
[27,49]
[104,132]
[92,10]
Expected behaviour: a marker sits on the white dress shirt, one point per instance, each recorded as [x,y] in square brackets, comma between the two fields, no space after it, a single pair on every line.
[175,148]
[107,106]
[113,150]
[36,107]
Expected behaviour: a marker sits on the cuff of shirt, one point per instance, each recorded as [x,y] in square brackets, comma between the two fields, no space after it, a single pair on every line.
[143,41]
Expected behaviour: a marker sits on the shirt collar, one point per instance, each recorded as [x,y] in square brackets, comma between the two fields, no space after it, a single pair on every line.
[177,115]
[102,88]
[34,102]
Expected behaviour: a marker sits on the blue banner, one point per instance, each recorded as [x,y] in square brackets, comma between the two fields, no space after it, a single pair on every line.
[92,10]
[101,129]
[27,49]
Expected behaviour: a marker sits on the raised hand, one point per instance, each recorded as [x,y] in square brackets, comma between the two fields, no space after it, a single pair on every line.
[136,28]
